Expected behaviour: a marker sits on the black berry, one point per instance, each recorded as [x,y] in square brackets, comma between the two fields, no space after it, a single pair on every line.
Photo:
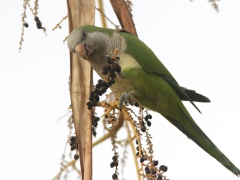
[72,138]
[94,133]
[149,116]
[114,176]
[153,171]
[143,129]
[112,164]
[148,171]
[76,156]
[136,141]
[149,123]
[72,143]
[73,147]
[163,168]
[114,158]
[36,18]
[155,163]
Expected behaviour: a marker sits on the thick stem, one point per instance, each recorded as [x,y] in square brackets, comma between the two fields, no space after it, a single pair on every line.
[124,16]
[81,12]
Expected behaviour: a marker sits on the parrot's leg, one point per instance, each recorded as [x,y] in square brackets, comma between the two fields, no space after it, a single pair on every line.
[120,75]
[123,99]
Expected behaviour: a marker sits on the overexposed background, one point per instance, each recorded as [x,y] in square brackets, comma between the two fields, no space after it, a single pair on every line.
[199,46]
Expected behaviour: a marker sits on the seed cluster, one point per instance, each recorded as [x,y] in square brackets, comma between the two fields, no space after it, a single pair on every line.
[146,159]
[146,118]
[95,120]
[111,68]
[100,88]
[38,22]
[74,145]
[115,162]
[154,172]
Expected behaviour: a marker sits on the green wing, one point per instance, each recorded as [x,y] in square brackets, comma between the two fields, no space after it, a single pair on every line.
[144,55]
[150,63]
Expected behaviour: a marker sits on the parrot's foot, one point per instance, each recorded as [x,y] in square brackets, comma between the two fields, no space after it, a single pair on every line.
[126,99]
[123,99]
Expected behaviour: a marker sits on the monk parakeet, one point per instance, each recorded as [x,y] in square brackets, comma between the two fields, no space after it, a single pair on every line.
[144,78]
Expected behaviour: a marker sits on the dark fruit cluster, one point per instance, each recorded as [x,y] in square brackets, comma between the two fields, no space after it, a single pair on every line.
[143,127]
[153,172]
[163,168]
[115,162]
[137,154]
[142,159]
[74,144]
[150,171]
[147,117]
[95,120]
[101,87]
[38,22]
[111,68]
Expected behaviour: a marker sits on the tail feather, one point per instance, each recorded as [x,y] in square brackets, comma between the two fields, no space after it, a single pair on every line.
[193,131]
[194,96]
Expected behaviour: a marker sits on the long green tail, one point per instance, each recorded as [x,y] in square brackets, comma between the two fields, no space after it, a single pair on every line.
[193,131]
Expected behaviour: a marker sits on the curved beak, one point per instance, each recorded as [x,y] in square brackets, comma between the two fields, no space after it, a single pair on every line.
[84,50]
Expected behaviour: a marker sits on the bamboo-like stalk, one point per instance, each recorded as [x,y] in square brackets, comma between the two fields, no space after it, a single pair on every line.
[81,12]
[103,19]
[124,17]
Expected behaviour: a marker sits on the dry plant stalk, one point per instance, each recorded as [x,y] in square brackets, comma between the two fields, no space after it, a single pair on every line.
[104,23]
[103,15]
[129,5]
[81,12]
[58,24]
[124,16]
[23,21]
[214,4]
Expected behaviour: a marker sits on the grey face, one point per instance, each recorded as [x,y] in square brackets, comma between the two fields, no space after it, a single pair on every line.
[88,45]
[73,39]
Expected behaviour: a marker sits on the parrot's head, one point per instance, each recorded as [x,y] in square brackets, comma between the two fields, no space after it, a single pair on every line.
[89,42]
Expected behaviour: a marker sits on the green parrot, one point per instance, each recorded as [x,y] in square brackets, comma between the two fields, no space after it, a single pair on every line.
[143,77]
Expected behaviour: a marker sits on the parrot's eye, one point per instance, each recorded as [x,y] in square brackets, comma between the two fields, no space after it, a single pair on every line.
[84,35]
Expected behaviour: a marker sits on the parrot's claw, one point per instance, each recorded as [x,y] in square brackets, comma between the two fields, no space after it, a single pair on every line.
[120,75]
[123,99]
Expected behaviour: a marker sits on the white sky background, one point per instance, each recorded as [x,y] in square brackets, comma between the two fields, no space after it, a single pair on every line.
[199,46]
